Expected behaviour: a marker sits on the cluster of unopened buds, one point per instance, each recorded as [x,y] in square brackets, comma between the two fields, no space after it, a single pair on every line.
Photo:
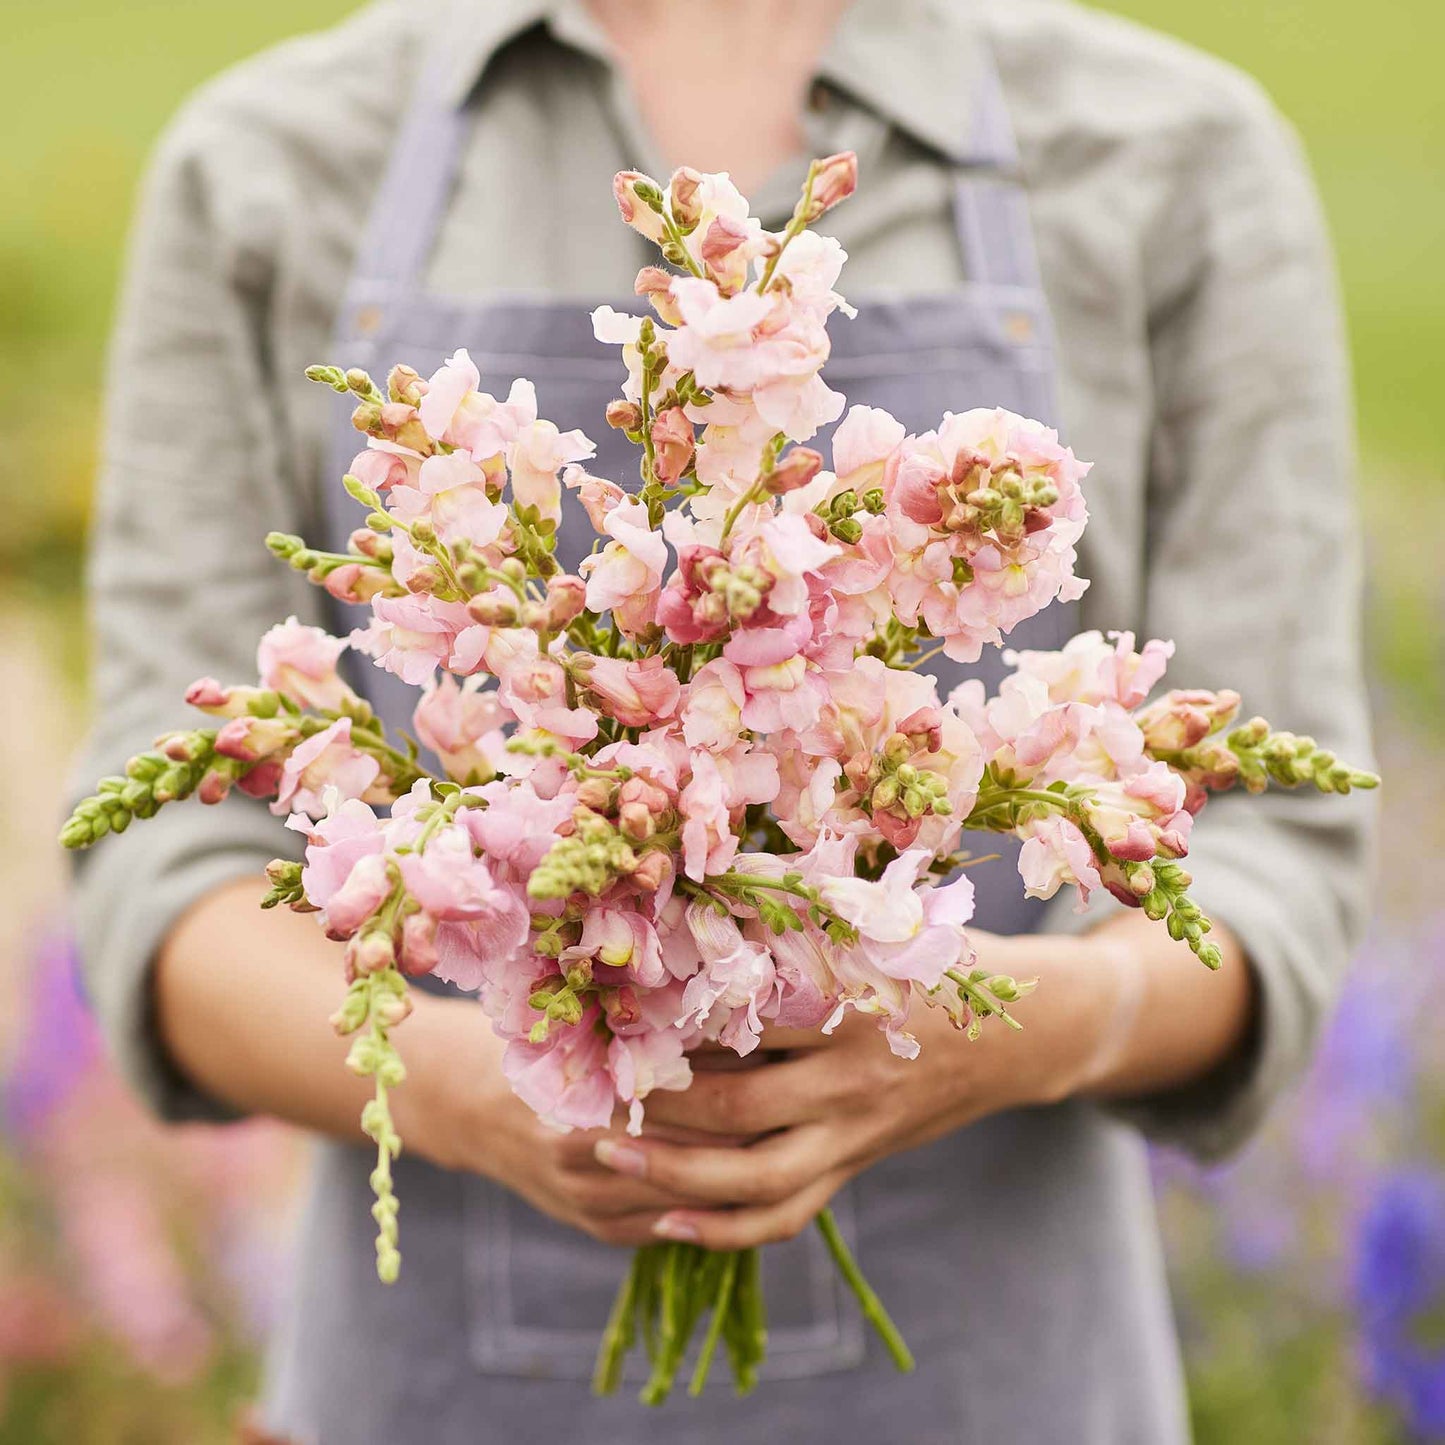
[701,785]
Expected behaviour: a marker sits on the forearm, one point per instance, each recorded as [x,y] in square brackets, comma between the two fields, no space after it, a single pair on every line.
[1123,1011]
[243,999]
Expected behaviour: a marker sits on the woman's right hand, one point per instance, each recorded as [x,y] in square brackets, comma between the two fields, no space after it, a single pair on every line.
[457,1110]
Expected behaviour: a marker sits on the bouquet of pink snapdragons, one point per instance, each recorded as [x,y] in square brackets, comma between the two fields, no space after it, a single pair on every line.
[698,786]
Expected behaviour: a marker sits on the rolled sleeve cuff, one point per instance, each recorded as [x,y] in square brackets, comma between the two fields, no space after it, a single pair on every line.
[129,892]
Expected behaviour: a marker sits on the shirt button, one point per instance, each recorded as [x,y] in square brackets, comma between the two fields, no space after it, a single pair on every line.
[368,318]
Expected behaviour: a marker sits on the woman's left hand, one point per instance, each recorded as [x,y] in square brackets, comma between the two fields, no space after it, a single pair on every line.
[832,1105]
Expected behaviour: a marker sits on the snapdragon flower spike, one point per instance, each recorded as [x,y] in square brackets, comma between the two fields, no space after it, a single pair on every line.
[702,787]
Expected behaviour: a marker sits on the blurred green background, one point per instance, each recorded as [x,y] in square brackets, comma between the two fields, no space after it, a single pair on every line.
[1277,1350]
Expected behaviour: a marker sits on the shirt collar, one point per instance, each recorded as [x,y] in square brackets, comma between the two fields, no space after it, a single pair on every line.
[913,62]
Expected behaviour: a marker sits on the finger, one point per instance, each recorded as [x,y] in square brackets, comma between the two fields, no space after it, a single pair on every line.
[577,1152]
[629,1231]
[756,1101]
[752,1225]
[608,1194]
[762,1173]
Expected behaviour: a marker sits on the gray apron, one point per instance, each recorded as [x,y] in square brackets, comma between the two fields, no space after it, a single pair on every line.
[1019,1256]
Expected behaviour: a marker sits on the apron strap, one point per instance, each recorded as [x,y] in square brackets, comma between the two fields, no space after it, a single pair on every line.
[410,202]
[990,204]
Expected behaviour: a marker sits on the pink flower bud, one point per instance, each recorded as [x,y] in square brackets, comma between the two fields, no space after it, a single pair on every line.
[353,582]
[622,1005]
[652,871]
[178,747]
[249,739]
[370,952]
[656,284]
[686,205]
[727,246]
[497,608]
[834,180]
[215,787]
[599,794]
[392,1009]
[636,211]
[370,544]
[795,470]
[566,597]
[404,384]
[636,820]
[641,792]
[418,945]
[1184,718]
[263,780]
[208,695]
[923,728]
[673,443]
[624,415]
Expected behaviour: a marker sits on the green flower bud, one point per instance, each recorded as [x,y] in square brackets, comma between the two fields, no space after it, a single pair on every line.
[1155,905]
[331,376]
[885,795]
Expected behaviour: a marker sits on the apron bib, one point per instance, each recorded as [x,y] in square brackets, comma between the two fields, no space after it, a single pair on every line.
[491,1288]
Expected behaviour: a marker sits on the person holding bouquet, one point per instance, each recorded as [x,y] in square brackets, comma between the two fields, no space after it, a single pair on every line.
[1059,214]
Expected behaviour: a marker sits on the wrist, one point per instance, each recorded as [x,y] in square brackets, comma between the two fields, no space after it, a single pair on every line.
[1078,1023]
[448,1109]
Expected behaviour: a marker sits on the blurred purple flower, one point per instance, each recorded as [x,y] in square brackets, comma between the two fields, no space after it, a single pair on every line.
[58,1041]
[1399,1288]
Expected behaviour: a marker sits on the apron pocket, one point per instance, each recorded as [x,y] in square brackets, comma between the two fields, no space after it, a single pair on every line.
[538,1295]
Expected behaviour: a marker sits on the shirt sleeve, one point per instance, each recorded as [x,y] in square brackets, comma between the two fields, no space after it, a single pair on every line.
[193,475]
[1253,568]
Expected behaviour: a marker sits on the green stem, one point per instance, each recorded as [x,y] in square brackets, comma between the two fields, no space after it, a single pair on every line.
[868,1301]
[979,1001]
[796,227]
[722,1302]
[986,802]
[736,511]
[620,1332]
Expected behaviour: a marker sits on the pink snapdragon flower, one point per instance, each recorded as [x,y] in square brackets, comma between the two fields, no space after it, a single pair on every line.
[708,841]
[908,933]
[1054,853]
[536,457]
[325,761]
[456,412]
[735,981]
[640,1063]
[713,710]
[564,1080]
[1089,669]
[462,725]
[975,552]
[636,694]
[621,939]
[626,576]
[346,832]
[299,662]
[413,636]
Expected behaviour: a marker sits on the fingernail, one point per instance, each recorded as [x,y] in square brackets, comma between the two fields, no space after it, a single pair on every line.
[621,1157]
[674,1226]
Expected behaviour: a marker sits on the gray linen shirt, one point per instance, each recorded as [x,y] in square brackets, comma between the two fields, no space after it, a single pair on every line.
[1202,370]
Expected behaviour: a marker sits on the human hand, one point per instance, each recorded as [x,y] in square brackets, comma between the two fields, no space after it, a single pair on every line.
[458,1110]
[832,1105]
